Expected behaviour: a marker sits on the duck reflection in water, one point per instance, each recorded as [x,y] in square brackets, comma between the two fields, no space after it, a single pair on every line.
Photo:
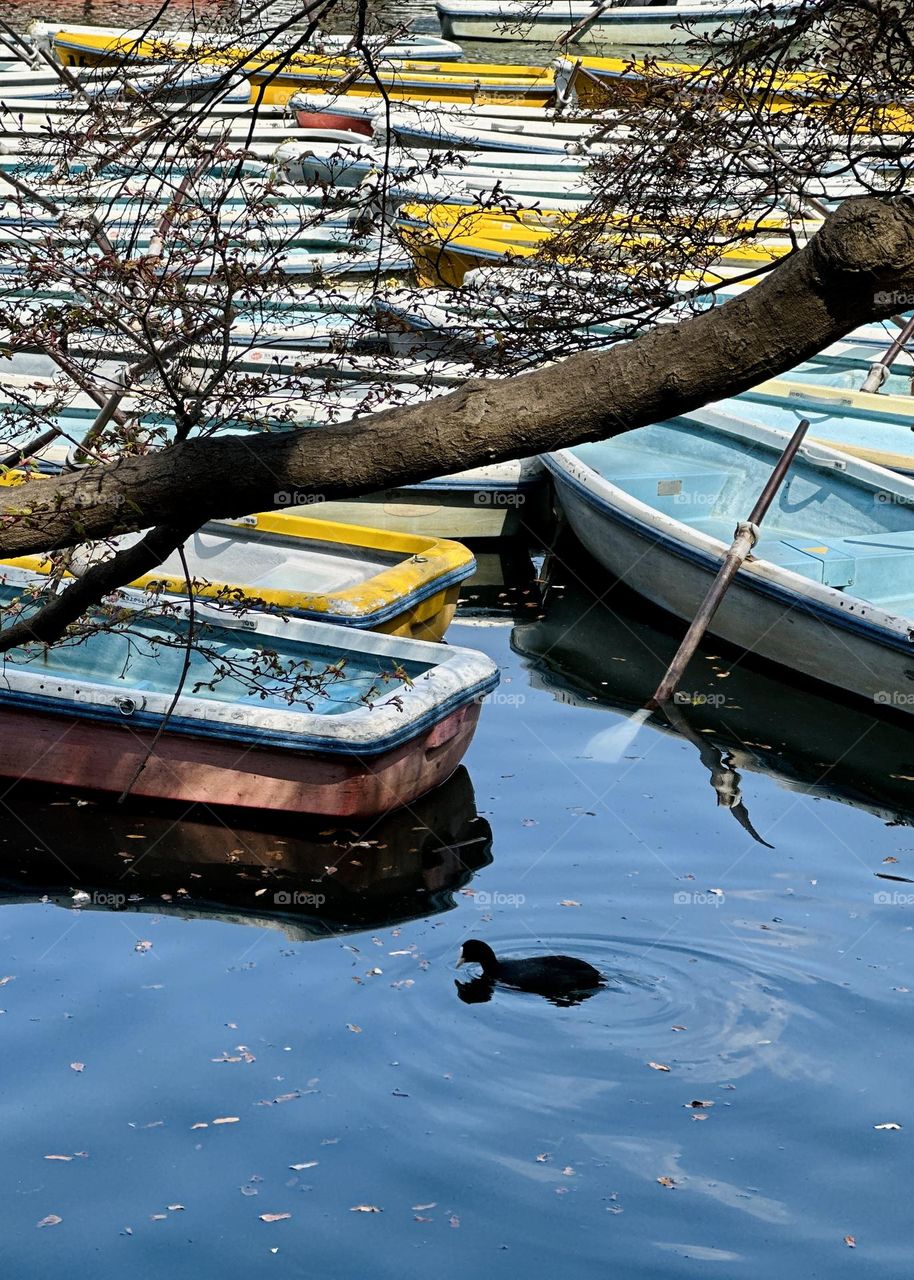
[562,980]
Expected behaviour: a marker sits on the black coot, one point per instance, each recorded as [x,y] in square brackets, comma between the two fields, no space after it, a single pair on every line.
[561,979]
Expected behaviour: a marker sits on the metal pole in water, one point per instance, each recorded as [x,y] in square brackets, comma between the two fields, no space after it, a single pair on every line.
[744,540]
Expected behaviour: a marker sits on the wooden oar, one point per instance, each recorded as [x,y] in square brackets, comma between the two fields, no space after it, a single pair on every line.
[581,26]
[880,369]
[744,540]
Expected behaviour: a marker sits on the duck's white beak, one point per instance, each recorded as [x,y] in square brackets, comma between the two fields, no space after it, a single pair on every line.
[460,959]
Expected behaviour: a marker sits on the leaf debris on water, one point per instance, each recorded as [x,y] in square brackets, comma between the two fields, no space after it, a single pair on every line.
[658,1066]
[889,1124]
[274,1217]
[365,1208]
[51,1220]
[666,1182]
[851,1242]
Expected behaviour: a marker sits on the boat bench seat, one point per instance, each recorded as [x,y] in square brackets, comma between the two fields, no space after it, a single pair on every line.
[686,493]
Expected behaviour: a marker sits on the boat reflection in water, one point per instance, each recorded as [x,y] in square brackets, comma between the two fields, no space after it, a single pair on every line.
[504,589]
[742,715]
[307,882]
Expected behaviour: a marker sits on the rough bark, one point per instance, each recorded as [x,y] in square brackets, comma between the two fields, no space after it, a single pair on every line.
[858,268]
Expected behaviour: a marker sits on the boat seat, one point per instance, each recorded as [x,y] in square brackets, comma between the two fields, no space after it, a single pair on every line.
[685,493]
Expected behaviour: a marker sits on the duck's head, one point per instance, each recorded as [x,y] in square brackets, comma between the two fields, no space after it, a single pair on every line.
[475,952]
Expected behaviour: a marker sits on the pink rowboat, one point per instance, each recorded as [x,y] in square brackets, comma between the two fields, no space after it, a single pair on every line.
[298,716]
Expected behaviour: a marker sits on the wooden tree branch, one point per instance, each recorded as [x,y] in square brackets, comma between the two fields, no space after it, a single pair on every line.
[52,619]
[853,271]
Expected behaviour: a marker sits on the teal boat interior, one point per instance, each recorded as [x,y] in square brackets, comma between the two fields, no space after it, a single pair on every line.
[227,665]
[823,524]
[857,427]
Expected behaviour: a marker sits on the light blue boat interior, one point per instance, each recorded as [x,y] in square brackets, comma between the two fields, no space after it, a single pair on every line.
[822,525]
[148,658]
[854,427]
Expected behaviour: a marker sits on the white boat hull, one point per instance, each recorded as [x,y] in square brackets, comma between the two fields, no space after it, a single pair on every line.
[808,629]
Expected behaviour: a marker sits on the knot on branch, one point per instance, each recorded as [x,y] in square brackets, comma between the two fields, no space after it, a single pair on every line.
[869,243]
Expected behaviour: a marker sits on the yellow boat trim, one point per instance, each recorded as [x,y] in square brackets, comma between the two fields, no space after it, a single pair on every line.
[429,559]
[837,397]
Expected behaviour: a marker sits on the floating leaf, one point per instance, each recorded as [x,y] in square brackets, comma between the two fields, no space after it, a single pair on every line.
[658,1066]
[421,1208]
[354,1027]
[50,1221]
[666,1182]
[58,1157]
[850,1242]
[569,902]
[77,1066]
[274,1217]
[365,1208]
[890,1124]
[226,1120]
[308,1164]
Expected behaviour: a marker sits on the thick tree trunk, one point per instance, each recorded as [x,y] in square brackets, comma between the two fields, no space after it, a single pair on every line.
[859,267]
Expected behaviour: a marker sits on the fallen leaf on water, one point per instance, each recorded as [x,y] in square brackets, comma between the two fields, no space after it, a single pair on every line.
[308,1164]
[658,1066]
[543,1157]
[421,1208]
[274,1217]
[176,1208]
[666,1182]
[352,1026]
[201,1124]
[418,1217]
[697,1102]
[365,1208]
[850,1242]
[58,1157]
[890,1124]
[454,1220]
[226,1120]
[677,1026]
[158,1217]
[890,859]
[569,902]
[50,1221]
[143,946]
[77,1066]
[9,978]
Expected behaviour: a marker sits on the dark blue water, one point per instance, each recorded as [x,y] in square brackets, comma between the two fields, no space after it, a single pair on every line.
[505,1138]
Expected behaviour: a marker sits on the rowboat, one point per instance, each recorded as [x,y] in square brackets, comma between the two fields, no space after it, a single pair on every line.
[597,646]
[302,717]
[86,39]
[828,591]
[591,23]
[260,871]
[276,76]
[299,567]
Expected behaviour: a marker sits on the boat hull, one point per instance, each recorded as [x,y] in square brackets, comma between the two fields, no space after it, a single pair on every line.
[67,751]
[756,614]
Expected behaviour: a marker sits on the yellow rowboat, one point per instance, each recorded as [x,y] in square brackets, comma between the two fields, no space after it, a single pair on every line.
[369,579]
[446,241]
[275,76]
[617,81]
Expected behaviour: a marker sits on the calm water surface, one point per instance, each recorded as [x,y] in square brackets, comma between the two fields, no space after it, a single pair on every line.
[503,1138]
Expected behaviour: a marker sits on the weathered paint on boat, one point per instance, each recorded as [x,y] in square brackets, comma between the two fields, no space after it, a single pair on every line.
[829,590]
[87,715]
[352,576]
